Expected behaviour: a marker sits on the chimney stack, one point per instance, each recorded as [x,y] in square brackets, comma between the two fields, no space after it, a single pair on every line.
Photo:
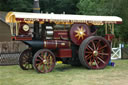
[36,9]
[36,6]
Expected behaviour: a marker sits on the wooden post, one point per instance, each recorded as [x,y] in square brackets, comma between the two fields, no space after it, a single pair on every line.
[106,30]
[11,28]
[17,31]
[110,28]
[113,28]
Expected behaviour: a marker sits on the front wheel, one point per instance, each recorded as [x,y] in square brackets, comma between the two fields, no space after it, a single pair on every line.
[25,60]
[95,52]
[44,61]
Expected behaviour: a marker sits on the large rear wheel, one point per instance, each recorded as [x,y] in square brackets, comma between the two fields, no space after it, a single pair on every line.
[44,61]
[94,52]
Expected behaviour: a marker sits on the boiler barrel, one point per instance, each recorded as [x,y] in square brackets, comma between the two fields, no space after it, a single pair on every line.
[49,44]
[53,44]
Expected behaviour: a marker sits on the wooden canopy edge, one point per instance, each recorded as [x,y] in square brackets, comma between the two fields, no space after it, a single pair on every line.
[13,17]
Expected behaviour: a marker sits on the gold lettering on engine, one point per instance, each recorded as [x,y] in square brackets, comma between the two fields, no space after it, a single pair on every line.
[31,19]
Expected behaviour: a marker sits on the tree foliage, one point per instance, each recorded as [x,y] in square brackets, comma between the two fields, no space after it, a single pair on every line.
[59,6]
[56,6]
[16,5]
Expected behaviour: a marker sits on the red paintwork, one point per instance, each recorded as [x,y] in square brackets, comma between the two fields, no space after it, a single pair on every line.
[20,38]
[64,53]
[53,44]
[72,33]
[58,34]
[118,22]
[109,37]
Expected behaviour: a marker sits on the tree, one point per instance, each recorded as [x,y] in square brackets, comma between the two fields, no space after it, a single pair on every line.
[59,6]
[16,5]
[124,15]
[56,6]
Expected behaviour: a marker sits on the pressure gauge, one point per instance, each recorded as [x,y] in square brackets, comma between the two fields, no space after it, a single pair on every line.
[26,28]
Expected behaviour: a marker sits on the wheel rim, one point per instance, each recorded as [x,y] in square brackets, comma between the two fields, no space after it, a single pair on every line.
[25,60]
[97,53]
[44,61]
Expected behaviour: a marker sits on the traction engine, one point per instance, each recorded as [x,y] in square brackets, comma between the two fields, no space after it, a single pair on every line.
[76,46]
[73,43]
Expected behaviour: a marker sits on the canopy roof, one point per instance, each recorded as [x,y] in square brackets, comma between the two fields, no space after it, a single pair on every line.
[13,17]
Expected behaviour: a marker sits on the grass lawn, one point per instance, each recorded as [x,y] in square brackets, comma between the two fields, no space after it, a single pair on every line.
[66,75]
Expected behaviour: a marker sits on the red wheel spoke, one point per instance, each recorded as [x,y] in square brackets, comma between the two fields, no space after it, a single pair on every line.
[101,56]
[46,54]
[96,64]
[102,47]
[88,52]
[48,65]
[98,44]
[46,69]
[37,65]
[90,48]
[40,58]
[94,45]
[101,60]
[43,68]
[87,55]
[42,54]
[41,63]
[91,62]
[105,54]
[49,55]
